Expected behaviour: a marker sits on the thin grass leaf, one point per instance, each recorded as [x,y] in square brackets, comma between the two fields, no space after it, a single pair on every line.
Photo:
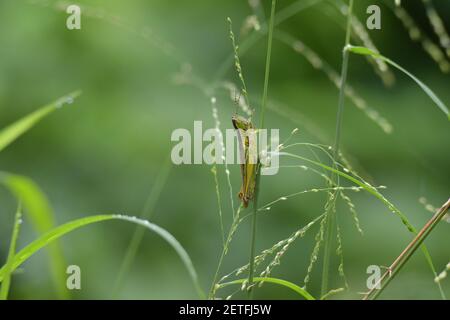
[331,218]
[302,292]
[424,87]
[320,64]
[367,187]
[174,244]
[41,217]
[147,213]
[362,36]
[372,190]
[26,191]
[56,233]
[15,130]
[404,256]
[12,251]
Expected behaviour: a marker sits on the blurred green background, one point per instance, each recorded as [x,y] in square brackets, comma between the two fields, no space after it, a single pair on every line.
[103,153]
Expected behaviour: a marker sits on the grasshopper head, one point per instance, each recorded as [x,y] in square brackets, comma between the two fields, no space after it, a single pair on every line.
[240,122]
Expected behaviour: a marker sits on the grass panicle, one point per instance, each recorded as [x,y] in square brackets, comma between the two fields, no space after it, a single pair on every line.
[330,221]
[417,35]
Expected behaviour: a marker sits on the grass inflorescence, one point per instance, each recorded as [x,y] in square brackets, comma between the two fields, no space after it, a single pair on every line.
[338,178]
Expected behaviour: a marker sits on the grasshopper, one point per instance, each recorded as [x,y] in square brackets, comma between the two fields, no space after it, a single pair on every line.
[249,167]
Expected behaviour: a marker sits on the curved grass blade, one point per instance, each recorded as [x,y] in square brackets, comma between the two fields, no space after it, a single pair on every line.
[372,190]
[407,253]
[320,64]
[138,235]
[361,35]
[424,87]
[12,250]
[40,214]
[305,294]
[15,130]
[33,199]
[66,228]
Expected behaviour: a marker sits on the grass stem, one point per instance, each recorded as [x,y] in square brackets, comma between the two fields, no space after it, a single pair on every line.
[138,235]
[258,169]
[267,70]
[4,291]
[407,253]
[330,220]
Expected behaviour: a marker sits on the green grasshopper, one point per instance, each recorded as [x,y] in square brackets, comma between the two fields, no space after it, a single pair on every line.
[249,168]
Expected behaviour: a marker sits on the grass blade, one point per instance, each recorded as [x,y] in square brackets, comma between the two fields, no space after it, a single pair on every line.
[397,265]
[372,190]
[320,64]
[15,130]
[27,192]
[12,250]
[302,292]
[330,220]
[56,233]
[261,125]
[147,212]
[424,87]
[41,217]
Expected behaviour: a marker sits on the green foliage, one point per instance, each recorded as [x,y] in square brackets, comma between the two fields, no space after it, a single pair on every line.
[12,250]
[424,87]
[110,183]
[28,193]
[18,128]
[47,238]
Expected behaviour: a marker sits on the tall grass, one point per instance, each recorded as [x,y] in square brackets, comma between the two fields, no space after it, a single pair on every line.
[56,233]
[261,125]
[398,263]
[12,251]
[36,205]
[147,213]
[326,162]
[330,217]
